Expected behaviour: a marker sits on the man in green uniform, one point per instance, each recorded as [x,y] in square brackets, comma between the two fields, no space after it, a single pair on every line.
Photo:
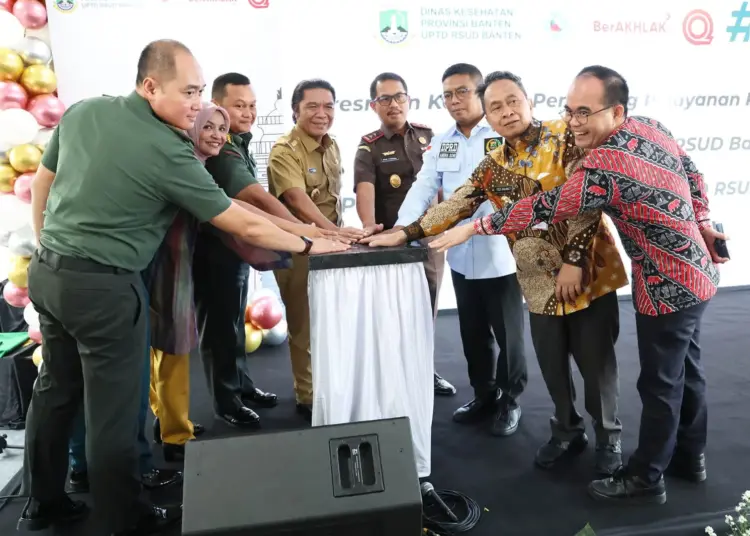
[385,167]
[221,277]
[114,175]
[304,171]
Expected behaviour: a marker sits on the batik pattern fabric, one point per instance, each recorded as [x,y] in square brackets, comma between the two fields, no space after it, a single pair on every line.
[539,161]
[657,199]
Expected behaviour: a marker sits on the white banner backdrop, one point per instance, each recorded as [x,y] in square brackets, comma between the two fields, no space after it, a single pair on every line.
[683,62]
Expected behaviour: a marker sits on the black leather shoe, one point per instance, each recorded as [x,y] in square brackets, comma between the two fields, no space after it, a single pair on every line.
[556,451]
[242,417]
[306,411]
[154,520]
[159,478]
[198,429]
[608,458]
[36,516]
[442,387]
[79,482]
[686,467]
[507,417]
[260,399]
[477,410]
[173,453]
[623,488]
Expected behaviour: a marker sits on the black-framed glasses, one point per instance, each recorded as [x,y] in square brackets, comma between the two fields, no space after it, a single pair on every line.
[461,93]
[386,100]
[582,116]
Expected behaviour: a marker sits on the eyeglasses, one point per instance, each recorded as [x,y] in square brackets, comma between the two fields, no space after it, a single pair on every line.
[581,117]
[461,93]
[386,100]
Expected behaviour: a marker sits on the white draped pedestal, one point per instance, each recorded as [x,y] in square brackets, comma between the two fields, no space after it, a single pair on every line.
[371,333]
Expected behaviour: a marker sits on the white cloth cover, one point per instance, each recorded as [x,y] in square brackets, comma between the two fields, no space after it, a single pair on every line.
[371,340]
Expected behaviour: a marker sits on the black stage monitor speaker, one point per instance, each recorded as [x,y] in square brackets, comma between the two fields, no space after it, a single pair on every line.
[356,479]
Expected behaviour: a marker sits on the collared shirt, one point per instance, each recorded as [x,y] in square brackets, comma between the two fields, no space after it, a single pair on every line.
[537,162]
[122,174]
[448,162]
[234,168]
[390,162]
[651,189]
[299,161]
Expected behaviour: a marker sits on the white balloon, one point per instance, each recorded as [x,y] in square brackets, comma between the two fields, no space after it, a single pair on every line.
[17,127]
[43,136]
[30,316]
[5,237]
[276,335]
[22,242]
[11,30]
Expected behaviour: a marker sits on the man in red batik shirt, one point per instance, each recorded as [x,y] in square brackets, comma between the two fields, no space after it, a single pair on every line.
[635,172]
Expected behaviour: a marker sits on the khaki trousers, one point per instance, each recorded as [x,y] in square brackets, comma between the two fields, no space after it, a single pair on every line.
[170,396]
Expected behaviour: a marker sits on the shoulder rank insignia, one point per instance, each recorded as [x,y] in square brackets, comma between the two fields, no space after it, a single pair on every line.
[420,125]
[372,137]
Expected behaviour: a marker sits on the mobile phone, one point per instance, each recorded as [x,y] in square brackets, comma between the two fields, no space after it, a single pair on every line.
[721,245]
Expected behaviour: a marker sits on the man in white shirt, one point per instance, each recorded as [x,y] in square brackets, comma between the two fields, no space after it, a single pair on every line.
[488,295]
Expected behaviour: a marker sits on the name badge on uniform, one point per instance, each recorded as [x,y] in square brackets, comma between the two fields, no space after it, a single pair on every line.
[312,170]
[448,149]
[490,144]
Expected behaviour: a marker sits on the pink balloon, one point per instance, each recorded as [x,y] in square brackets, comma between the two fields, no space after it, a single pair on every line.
[12,95]
[15,296]
[35,335]
[32,14]
[6,5]
[47,110]
[22,187]
[265,312]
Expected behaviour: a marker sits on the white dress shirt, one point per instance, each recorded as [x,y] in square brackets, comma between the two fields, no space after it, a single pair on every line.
[448,162]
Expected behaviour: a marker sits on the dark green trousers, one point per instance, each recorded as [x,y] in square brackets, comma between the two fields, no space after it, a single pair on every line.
[93,322]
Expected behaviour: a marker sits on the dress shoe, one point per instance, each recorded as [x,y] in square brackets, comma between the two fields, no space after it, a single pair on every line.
[477,410]
[198,429]
[242,417]
[79,482]
[625,488]
[442,387]
[37,516]
[260,399]
[173,453]
[608,458]
[507,417]
[159,478]
[306,411]
[154,520]
[686,467]
[555,451]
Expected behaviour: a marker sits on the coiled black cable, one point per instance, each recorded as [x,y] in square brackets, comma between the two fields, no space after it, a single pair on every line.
[466,509]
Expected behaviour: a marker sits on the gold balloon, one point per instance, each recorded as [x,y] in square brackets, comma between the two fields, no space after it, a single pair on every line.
[253,338]
[18,271]
[25,158]
[7,178]
[11,65]
[39,80]
[36,357]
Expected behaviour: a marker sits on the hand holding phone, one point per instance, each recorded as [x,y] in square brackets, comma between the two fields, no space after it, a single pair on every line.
[720,244]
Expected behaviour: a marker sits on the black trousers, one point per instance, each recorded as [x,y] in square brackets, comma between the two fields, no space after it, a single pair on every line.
[672,386]
[487,307]
[589,336]
[93,320]
[221,288]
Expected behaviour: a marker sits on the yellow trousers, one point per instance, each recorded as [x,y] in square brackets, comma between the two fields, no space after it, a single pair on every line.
[170,396]
[293,286]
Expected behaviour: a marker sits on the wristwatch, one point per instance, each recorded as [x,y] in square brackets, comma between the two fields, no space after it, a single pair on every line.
[308,245]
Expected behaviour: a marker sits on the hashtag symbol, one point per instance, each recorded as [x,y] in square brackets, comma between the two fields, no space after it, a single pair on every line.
[740,27]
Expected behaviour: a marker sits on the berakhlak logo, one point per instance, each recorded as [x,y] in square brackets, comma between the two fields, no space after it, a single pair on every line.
[741,24]
[258,4]
[65,6]
[394,26]
[698,27]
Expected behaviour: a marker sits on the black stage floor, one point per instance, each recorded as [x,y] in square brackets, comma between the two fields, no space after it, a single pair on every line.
[498,472]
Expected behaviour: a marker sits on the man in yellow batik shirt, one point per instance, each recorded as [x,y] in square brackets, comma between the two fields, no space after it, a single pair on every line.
[569,272]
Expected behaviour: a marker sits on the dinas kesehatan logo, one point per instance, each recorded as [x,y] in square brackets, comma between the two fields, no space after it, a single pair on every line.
[394,26]
[65,6]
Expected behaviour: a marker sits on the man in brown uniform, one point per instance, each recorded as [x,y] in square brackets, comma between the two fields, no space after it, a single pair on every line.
[385,167]
[304,172]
